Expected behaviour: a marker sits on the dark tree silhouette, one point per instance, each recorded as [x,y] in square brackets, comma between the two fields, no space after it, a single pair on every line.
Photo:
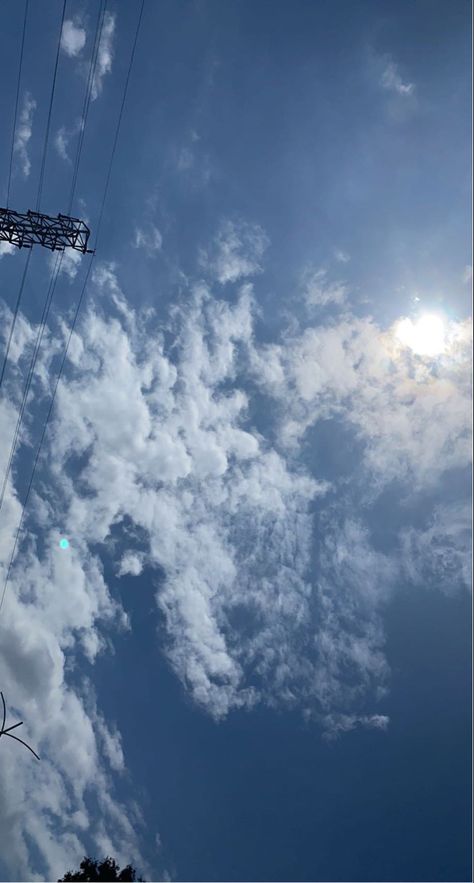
[107,870]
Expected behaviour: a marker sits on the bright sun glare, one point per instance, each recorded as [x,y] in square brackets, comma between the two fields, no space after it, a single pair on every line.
[425,336]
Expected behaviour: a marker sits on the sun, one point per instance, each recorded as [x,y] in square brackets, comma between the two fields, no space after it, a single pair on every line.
[426,336]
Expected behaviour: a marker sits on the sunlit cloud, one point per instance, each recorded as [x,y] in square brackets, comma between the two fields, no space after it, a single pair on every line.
[425,336]
[73,38]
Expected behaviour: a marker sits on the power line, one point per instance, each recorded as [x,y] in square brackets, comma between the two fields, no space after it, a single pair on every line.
[48,124]
[81,297]
[15,314]
[16,102]
[109,172]
[45,148]
[39,338]
[87,98]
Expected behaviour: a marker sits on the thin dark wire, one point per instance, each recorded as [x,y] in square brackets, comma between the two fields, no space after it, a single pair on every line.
[48,124]
[15,314]
[6,732]
[76,314]
[39,338]
[43,163]
[109,172]
[16,102]
[87,99]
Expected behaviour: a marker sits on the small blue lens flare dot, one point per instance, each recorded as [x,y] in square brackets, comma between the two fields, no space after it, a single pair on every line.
[64,543]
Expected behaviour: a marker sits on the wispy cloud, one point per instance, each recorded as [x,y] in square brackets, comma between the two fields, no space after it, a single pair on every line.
[236,252]
[73,38]
[63,137]
[319,291]
[24,132]
[392,81]
[150,239]
[336,724]
[70,262]
[341,256]
[439,554]
[105,54]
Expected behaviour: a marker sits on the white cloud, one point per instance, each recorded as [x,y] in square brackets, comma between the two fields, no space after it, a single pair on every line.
[410,413]
[392,81]
[104,54]
[131,564]
[467,275]
[70,262]
[6,248]
[341,256]
[73,38]
[319,292]
[193,162]
[24,132]
[335,724]
[236,252]
[150,239]
[160,420]
[61,142]
[439,554]
[63,137]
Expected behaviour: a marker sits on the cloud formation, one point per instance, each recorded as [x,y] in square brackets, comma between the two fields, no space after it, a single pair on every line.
[236,252]
[104,54]
[318,291]
[24,132]
[73,38]
[392,81]
[6,248]
[150,239]
[270,585]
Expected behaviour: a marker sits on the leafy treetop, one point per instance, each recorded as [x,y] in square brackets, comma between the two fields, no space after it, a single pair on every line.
[95,871]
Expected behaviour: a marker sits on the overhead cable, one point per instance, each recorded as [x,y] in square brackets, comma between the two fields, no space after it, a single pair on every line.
[48,123]
[39,338]
[87,99]
[20,65]
[81,297]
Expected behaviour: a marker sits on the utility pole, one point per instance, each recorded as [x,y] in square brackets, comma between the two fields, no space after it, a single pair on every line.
[35,228]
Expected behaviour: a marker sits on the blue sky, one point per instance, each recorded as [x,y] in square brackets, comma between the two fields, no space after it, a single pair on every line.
[252,660]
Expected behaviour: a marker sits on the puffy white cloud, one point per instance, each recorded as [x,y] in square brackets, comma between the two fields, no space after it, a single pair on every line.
[392,81]
[411,412]
[236,252]
[132,564]
[6,248]
[24,132]
[270,590]
[105,54]
[73,38]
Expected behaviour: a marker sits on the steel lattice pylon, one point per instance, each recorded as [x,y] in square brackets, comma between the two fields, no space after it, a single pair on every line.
[34,228]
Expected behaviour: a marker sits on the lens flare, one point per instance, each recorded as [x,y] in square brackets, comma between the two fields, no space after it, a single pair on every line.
[64,543]
[425,336]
